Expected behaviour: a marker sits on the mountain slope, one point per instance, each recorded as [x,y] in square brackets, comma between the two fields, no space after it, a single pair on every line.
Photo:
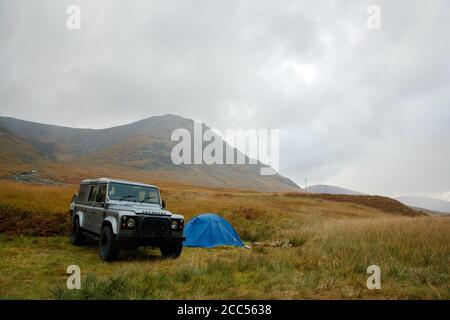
[17,153]
[142,148]
[327,189]
[436,205]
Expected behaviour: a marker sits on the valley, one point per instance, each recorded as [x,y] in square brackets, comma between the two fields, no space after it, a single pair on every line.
[301,245]
[325,247]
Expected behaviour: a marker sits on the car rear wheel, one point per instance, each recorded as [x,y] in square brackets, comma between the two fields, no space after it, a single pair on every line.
[108,245]
[171,250]
[76,236]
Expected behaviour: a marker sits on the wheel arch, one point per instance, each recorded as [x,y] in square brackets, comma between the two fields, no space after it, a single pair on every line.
[112,222]
[80,216]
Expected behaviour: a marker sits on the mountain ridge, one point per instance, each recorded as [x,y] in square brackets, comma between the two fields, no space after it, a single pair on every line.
[437,206]
[143,145]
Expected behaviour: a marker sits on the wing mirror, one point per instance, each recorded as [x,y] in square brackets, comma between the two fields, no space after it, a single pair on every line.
[163,204]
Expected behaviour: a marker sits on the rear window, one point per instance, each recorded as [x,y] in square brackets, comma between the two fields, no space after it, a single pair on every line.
[83,192]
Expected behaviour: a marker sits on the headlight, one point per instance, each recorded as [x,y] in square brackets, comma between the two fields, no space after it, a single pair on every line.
[131,223]
[174,225]
[128,222]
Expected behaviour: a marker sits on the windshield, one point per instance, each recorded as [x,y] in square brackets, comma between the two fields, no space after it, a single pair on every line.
[133,193]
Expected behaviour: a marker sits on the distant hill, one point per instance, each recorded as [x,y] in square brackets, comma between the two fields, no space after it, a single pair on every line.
[327,189]
[436,206]
[377,202]
[138,149]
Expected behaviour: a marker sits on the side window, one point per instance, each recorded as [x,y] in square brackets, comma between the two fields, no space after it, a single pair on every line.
[101,195]
[93,193]
[83,193]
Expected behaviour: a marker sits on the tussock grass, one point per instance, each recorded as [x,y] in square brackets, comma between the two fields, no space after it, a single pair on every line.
[329,245]
[331,264]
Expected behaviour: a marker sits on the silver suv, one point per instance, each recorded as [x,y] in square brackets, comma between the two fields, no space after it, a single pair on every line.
[122,213]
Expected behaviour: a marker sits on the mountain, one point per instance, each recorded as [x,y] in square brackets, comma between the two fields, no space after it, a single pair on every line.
[139,149]
[327,189]
[436,205]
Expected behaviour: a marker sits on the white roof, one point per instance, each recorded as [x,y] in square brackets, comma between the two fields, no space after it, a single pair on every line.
[107,180]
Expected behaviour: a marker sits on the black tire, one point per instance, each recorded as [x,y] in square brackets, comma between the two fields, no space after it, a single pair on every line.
[76,236]
[108,245]
[171,250]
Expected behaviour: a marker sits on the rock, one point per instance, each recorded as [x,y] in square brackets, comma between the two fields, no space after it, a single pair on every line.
[276,244]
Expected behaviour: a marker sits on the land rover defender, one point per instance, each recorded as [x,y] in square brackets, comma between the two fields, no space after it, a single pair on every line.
[122,213]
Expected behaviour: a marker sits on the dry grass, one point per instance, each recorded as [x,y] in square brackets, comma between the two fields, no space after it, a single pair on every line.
[36,198]
[256,216]
[377,202]
[328,246]
[330,264]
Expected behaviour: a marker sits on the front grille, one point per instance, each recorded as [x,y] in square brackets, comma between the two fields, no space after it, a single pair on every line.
[153,227]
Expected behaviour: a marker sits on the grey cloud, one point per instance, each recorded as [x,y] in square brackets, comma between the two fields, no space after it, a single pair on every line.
[375,118]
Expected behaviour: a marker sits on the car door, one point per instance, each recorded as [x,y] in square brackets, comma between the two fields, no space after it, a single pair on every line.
[90,209]
[99,209]
[80,203]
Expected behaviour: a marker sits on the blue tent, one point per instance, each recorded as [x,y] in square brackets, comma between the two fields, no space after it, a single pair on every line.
[208,231]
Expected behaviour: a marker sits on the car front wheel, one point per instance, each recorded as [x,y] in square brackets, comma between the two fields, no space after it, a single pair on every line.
[109,247]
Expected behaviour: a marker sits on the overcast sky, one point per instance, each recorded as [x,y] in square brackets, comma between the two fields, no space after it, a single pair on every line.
[359,108]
